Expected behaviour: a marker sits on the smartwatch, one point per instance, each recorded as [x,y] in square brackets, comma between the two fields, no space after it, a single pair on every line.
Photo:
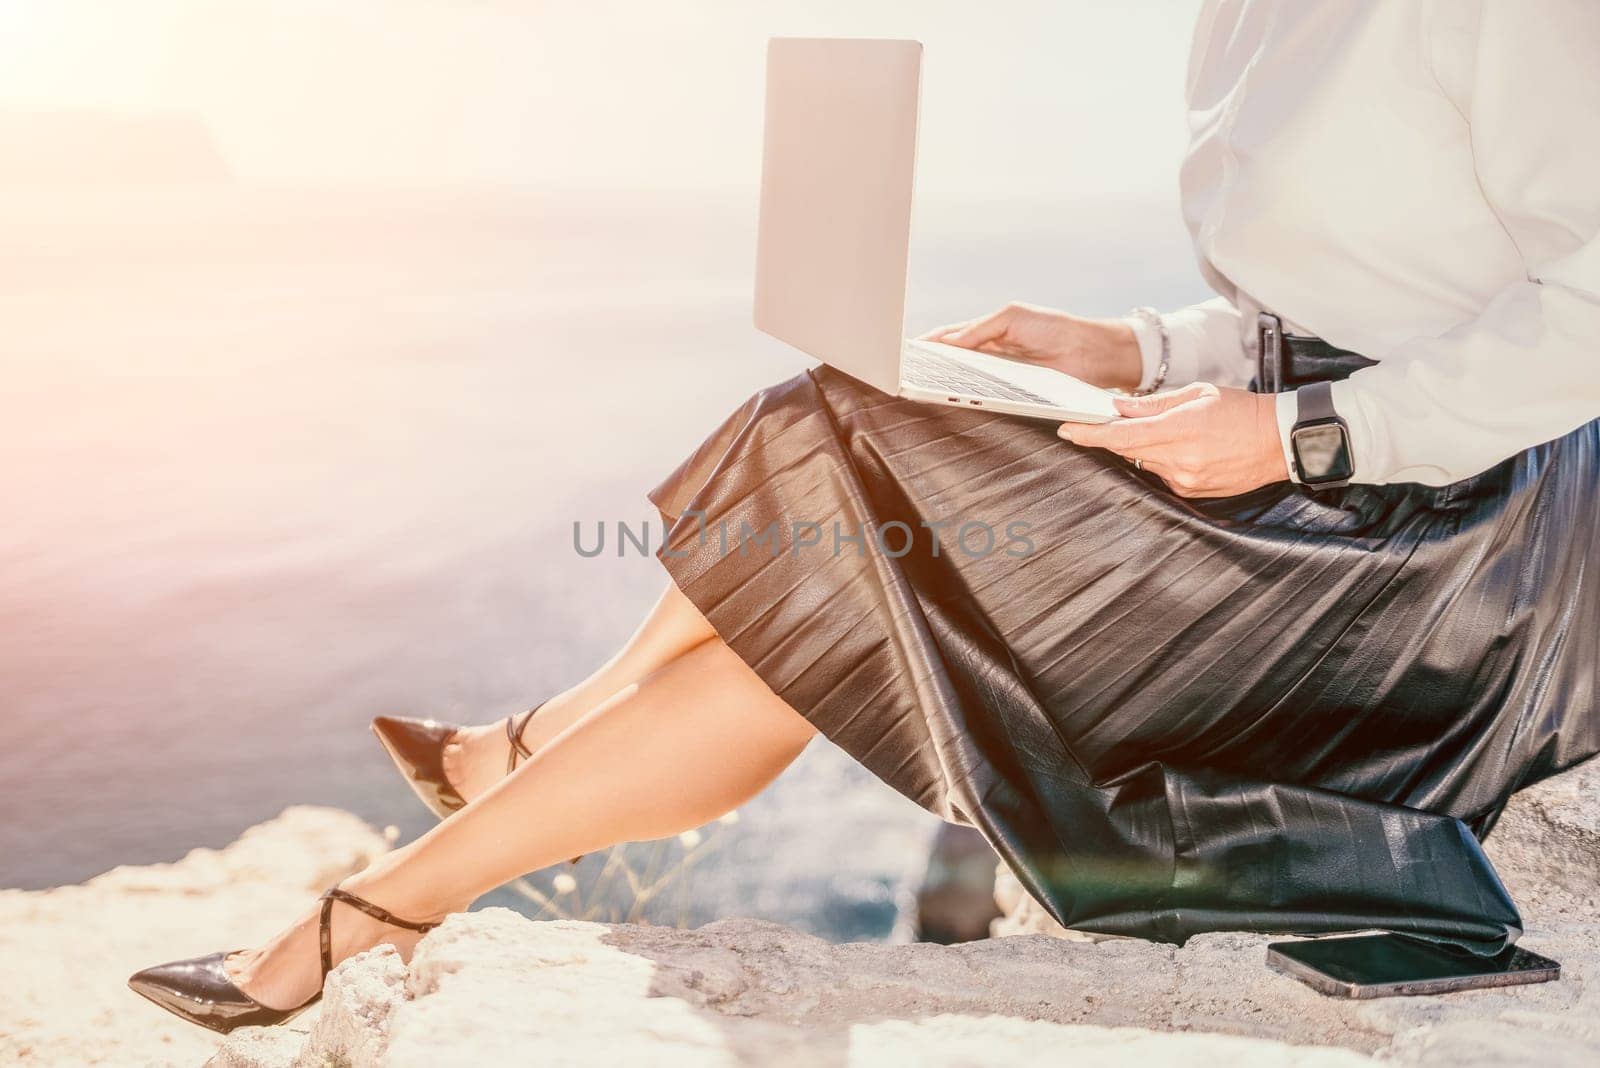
[1320,440]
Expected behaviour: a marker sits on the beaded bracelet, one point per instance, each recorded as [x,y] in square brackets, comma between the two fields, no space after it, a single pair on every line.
[1153,317]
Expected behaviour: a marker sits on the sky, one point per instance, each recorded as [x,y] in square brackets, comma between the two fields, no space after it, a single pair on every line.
[1019,97]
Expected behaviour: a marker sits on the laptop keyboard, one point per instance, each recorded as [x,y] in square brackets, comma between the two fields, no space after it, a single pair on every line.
[935,371]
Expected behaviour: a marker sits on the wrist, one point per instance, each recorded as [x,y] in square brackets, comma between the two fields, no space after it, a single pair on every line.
[1119,363]
[1271,437]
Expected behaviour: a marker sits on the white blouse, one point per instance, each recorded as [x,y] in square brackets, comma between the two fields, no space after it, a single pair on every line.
[1414,180]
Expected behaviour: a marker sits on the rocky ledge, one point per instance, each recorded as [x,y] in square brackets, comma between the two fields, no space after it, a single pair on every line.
[492,987]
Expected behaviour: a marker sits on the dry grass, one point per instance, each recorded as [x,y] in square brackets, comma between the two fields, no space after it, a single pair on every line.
[628,883]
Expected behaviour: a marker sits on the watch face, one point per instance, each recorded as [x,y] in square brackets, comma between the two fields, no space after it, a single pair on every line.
[1320,453]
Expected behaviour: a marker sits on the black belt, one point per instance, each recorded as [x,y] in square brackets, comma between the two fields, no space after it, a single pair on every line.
[1289,361]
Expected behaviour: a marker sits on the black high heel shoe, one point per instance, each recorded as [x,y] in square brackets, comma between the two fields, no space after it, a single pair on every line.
[200,991]
[417,748]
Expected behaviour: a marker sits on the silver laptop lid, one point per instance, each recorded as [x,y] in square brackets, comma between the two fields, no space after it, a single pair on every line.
[836,178]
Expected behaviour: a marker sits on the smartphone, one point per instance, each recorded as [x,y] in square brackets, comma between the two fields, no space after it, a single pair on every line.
[1391,965]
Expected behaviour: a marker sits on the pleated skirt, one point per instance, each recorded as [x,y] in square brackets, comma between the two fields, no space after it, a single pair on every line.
[1286,711]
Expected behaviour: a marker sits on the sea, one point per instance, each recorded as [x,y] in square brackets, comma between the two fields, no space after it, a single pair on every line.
[274,460]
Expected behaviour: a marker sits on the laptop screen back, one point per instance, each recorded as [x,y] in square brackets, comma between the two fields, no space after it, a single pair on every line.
[836,180]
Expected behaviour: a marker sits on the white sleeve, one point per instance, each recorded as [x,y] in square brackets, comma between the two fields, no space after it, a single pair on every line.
[1527,369]
[1205,344]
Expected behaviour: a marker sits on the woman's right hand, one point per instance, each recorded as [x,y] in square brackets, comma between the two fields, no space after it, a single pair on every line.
[1103,352]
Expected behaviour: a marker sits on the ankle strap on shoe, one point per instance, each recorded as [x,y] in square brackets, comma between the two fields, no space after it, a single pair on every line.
[377,912]
[515,725]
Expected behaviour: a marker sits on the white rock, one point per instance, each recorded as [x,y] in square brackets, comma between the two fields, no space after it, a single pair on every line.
[495,988]
[492,987]
[1001,1041]
[358,1000]
[67,952]
[1547,846]
[260,1047]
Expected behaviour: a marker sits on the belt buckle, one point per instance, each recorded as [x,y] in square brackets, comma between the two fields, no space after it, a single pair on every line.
[1269,352]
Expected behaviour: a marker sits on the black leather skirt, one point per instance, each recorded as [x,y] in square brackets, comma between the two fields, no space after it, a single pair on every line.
[1286,711]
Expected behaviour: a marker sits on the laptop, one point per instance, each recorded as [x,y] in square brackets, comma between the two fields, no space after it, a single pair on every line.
[835,234]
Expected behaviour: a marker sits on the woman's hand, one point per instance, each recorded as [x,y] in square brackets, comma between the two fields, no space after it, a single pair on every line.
[1103,352]
[1201,440]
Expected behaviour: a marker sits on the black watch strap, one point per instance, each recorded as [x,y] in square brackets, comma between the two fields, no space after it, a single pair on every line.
[1315,401]
[1329,461]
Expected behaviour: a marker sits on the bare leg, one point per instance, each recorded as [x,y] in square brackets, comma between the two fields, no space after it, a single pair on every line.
[476,759]
[689,742]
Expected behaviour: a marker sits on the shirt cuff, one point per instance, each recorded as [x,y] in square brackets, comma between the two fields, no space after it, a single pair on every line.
[1288,411]
[1368,452]
[1149,338]
[1186,338]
